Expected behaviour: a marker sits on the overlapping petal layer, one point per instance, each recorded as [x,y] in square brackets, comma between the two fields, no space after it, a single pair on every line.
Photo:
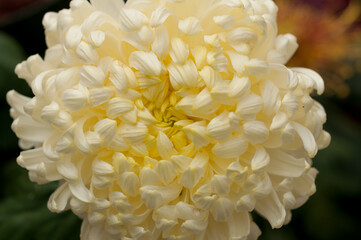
[170,119]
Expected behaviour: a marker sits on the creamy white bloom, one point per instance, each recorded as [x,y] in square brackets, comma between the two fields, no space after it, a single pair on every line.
[170,119]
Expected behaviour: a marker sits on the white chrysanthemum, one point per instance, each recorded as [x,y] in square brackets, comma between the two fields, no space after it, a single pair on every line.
[170,119]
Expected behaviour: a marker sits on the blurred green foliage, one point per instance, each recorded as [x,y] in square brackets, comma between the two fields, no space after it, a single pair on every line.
[332,213]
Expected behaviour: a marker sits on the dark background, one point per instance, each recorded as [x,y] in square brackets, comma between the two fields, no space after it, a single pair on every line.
[332,213]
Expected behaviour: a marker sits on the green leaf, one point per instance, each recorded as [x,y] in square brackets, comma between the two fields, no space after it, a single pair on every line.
[11,54]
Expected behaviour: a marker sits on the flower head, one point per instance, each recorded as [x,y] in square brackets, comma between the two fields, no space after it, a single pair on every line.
[170,119]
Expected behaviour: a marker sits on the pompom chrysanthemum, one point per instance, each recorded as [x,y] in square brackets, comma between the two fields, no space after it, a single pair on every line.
[170,119]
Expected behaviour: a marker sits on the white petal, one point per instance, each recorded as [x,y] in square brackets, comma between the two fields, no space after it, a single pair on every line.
[183,75]
[284,164]
[256,67]
[179,51]
[119,144]
[86,53]
[99,96]
[278,122]
[216,230]
[221,184]
[239,87]
[75,98]
[160,45]
[26,128]
[263,187]
[255,132]
[17,101]
[167,193]
[194,171]
[165,146]
[81,192]
[199,54]
[288,134]
[305,185]
[222,209]
[180,162]
[239,225]
[237,172]
[190,26]
[166,171]
[91,76]
[159,16]
[241,35]
[120,201]
[286,45]
[140,39]
[59,200]
[213,40]
[121,163]
[282,76]
[186,211]
[31,158]
[139,233]
[323,140]
[96,38]
[316,78]
[73,36]
[260,159]
[66,79]
[131,19]
[220,92]
[68,170]
[100,167]
[289,200]
[194,226]
[130,76]
[118,77]
[146,62]
[230,149]
[191,176]
[226,21]
[146,117]
[204,103]
[272,209]
[255,232]
[79,137]
[134,133]
[246,203]
[148,176]
[219,128]
[106,128]
[95,218]
[238,61]
[118,106]
[196,132]
[129,182]
[94,140]
[50,112]
[290,103]
[271,99]
[152,199]
[249,106]
[307,139]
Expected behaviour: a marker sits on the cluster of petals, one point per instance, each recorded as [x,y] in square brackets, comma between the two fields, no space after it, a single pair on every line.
[170,119]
